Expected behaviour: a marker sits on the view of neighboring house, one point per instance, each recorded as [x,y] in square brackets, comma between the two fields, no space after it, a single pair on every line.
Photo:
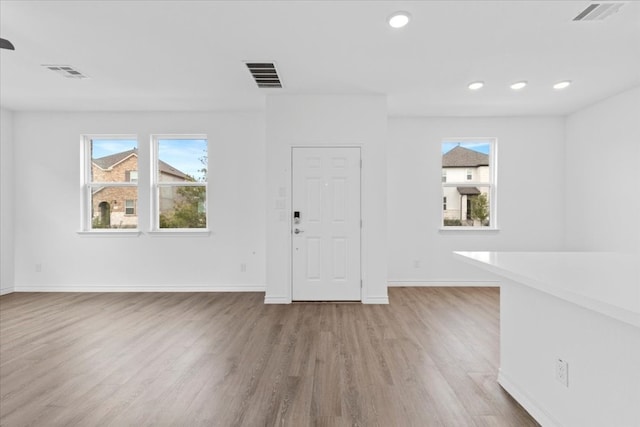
[118,206]
[462,165]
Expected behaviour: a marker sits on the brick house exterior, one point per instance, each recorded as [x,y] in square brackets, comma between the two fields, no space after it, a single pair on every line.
[117,207]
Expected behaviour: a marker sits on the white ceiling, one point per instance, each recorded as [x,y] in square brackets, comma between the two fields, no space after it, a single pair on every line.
[188,55]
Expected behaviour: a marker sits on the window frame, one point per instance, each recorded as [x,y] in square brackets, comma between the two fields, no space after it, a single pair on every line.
[492,185]
[156,184]
[133,202]
[86,184]
[130,173]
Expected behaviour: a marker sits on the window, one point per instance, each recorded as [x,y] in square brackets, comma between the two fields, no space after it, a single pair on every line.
[131,176]
[179,177]
[106,183]
[469,192]
[130,207]
[444,175]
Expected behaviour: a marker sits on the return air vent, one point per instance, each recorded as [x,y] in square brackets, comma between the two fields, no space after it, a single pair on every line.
[599,11]
[66,71]
[265,74]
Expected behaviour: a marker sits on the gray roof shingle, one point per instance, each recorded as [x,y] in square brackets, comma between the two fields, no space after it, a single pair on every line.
[468,191]
[113,159]
[460,157]
[108,161]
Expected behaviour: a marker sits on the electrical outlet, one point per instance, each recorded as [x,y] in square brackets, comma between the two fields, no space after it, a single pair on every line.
[243,267]
[416,263]
[38,268]
[562,372]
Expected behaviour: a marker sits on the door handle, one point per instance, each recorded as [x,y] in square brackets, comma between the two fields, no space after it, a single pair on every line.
[298,231]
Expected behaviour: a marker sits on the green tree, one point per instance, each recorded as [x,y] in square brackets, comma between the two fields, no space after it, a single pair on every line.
[189,210]
[480,208]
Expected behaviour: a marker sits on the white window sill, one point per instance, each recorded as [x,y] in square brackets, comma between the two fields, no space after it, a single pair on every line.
[468,230]
[110,233]
[180,233]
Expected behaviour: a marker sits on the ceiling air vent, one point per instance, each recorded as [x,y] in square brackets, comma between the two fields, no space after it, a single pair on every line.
[66,71]
[265,74]
[599,11]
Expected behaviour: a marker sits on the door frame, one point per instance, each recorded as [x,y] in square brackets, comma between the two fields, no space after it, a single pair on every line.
[290,213]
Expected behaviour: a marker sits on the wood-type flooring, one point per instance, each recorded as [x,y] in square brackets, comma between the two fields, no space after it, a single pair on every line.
[429,358]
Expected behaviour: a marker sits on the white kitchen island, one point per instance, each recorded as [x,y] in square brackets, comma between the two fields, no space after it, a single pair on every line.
[582,308]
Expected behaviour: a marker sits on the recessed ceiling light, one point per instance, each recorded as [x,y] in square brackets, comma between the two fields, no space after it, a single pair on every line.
[476,85]
[562,85]
[518,85]
[399,19]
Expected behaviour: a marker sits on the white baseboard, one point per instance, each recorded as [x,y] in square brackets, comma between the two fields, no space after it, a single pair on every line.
[287,300]
[268,299]
[5,291]
[139,288]
[434,284]
[376,300]
[530,405]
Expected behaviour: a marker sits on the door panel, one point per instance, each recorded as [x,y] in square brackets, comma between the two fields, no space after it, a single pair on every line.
[339,208]
[314,258]
[314,200]
[340,259]
[326,248]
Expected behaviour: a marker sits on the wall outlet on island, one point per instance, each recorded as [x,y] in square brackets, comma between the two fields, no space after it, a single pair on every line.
[562,372]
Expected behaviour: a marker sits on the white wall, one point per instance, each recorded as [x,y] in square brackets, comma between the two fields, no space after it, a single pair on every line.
[6,202]
[530,195]
[319,121]
[47,200]
[544,188]
[603,175]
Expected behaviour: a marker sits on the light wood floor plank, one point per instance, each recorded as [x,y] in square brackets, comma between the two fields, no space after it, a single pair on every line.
[430,358]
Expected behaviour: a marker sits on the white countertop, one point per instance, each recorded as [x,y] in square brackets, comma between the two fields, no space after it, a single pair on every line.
[605,282]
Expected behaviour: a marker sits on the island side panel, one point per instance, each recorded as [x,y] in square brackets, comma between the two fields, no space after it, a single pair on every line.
[603,356]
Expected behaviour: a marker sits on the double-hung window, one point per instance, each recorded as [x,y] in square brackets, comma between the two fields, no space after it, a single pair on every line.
[130,207]
[179,182]
[109,194]
[469,191]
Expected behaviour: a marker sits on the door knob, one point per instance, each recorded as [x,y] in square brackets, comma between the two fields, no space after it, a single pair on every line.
[298,231]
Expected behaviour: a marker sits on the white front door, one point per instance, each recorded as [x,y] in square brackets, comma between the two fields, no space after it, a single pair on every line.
[326,224]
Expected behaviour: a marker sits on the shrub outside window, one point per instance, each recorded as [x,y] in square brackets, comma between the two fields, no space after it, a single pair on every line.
[179,180]
[469,193]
